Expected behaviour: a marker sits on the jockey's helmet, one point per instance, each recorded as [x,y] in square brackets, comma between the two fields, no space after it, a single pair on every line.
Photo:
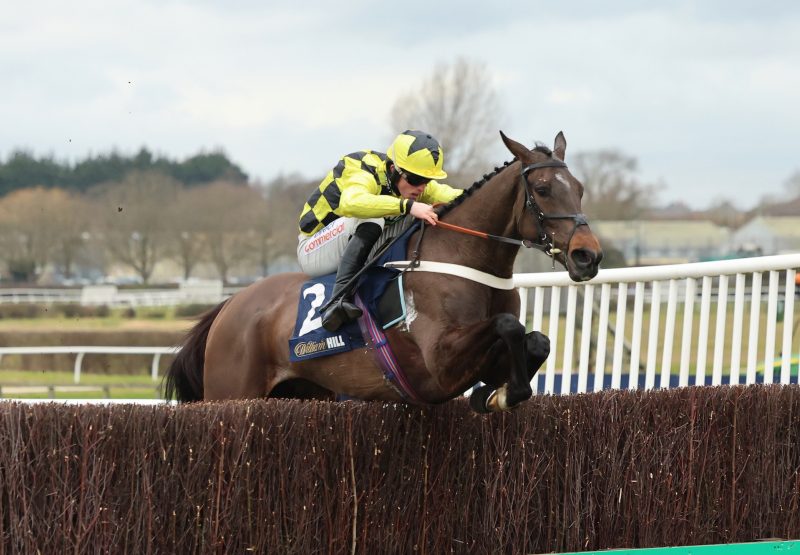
[418,153]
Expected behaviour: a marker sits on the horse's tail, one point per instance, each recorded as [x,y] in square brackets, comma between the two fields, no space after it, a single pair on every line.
[184,379]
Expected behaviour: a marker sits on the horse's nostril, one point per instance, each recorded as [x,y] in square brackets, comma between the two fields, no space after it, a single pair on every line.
[584,258]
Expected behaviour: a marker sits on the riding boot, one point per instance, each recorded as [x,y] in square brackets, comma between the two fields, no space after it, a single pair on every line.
[355,255]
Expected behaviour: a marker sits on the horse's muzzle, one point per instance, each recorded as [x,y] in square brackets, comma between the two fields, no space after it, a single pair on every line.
[583,263]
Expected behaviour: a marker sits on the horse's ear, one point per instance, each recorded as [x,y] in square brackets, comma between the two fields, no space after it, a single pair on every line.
[517,149]
[560,148]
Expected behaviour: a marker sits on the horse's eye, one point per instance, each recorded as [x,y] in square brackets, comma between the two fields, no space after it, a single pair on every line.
[542,191]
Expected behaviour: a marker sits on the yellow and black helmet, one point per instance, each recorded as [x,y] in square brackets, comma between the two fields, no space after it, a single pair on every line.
[418,153]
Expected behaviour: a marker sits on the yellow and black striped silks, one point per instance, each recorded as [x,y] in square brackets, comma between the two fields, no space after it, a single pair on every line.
[358,187]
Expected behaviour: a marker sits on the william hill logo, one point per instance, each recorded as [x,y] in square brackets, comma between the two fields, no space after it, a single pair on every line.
[335,341]
[306,348]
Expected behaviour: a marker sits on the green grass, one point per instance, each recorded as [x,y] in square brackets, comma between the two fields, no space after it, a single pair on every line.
[110,323]
[149,321]
[114,393]
[120,386]
[33,377]
[59,321]
[145,318]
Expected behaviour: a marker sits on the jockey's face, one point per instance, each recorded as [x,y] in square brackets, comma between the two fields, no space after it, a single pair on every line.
[407,190]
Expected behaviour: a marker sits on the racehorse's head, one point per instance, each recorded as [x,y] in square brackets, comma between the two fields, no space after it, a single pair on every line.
[552,214]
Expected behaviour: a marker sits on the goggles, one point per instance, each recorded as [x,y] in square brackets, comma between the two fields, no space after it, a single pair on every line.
[416,180]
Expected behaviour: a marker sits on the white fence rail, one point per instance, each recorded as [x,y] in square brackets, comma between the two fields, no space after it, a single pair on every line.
[156,353]
[201,292]
[647,349]
[659,326]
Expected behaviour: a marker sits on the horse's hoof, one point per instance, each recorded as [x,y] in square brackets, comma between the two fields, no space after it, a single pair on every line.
[498,400]
[478,398]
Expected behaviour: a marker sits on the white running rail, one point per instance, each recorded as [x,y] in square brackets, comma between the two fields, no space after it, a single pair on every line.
[115,298]
[641,337]
[156,352]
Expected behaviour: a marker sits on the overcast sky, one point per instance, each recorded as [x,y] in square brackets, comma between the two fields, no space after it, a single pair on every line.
[704,94]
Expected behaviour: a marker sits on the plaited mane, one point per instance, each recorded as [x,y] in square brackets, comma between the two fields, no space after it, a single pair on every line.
[483,180]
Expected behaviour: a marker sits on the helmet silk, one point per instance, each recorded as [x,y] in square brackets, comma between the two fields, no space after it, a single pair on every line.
[418,153]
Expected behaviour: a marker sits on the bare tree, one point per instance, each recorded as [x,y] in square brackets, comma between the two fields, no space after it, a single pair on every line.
[186,229]
[792,186]
[29,230]
[613,192]
[230,217]
[723,212]
[285,196]
[458,105]
[780,204]
[72,220]
[135,219]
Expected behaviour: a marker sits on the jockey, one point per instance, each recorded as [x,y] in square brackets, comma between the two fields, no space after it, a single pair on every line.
[344,217]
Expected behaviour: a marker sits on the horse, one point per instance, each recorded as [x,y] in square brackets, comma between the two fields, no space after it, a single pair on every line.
[459,332]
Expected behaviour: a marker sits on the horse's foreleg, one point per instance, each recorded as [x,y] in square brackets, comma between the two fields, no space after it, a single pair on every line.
[518,388]
[537,349]
[496,351]
[489,398]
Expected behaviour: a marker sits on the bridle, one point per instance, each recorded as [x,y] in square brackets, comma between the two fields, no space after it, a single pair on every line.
[546,244]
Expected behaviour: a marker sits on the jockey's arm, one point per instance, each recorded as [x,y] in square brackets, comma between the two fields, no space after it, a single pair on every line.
[359,201]
[436,192]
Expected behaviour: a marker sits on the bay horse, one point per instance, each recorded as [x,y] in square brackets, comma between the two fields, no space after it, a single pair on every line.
[459,332]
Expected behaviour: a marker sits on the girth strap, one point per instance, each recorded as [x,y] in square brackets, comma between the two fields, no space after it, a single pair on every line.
[454,270]
[384,356]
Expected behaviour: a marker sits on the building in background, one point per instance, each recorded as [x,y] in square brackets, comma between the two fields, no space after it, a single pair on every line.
[647,243]
[767,235]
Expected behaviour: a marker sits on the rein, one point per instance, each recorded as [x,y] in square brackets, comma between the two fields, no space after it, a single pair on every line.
[520,242]
[546,244]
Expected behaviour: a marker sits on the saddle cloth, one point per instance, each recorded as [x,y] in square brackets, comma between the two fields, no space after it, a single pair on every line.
[310,339]
[379,291]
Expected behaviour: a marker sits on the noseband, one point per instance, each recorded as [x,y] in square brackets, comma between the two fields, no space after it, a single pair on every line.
[546,243]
